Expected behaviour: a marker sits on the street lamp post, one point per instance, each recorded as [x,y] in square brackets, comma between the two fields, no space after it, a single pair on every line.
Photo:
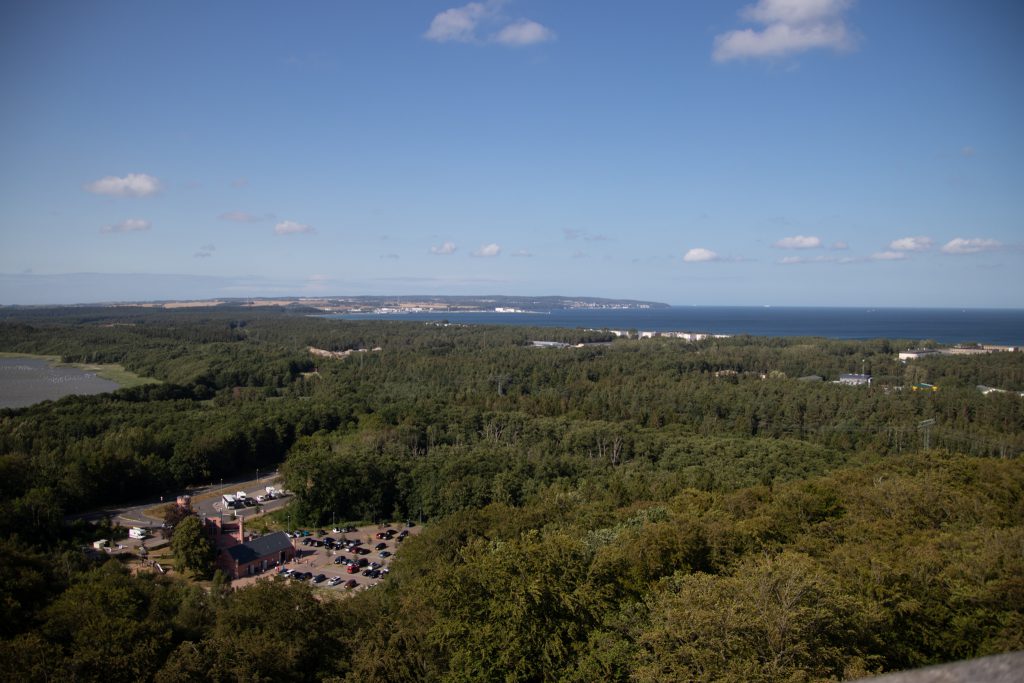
[257,477]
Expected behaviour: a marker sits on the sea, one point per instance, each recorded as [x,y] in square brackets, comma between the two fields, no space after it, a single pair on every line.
[943,325]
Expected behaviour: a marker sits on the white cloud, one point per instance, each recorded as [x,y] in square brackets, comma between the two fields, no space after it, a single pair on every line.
[798,242]
[127,225]
[840,245]
[444,249]
[790,26]
[292,228]
[794,11]
[920,243]
[458,23]
[465,24]
[700,255]
[888,256]
[392,256]
[524,32]
[522,253]
[973,245]
[488,250]
[132,185]
[205,251]
[798,260]
[243,217]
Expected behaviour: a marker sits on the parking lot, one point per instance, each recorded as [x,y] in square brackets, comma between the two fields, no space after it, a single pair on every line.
[329,553]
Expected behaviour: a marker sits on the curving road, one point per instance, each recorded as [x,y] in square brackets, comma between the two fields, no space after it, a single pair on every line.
[206,500]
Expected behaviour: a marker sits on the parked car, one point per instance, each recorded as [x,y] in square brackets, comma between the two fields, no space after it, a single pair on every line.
[319,578]
[352,569]
[380,546]
[385,553]
[340,560]
[334,581]
[366,572]
[351,583]
[361,562]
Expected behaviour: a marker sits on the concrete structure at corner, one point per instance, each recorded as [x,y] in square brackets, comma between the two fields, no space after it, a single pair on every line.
[549,344]
[914,354]
[855,380]
[256,556]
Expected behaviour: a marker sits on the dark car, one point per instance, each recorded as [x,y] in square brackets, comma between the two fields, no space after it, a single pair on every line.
[385,553]
[351,583]
[361,551]
[320,578]
[339,560]
[367,572]
[380,546]
[362,562]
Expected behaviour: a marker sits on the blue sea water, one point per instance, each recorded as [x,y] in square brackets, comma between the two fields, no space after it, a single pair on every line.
[944,325]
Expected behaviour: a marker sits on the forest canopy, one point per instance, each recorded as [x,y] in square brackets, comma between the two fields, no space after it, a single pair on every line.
[634,510]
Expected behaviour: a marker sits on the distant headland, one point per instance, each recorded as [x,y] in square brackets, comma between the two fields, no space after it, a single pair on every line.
[399,304]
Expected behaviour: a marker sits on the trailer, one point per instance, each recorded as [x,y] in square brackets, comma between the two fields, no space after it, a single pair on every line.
[137,533]
[230,501]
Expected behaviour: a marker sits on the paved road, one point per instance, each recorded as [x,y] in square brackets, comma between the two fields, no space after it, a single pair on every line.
[206,500]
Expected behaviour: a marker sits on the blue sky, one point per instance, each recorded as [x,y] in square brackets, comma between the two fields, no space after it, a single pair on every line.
[785,152]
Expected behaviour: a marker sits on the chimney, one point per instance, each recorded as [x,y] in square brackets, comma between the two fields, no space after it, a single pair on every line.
[241,532]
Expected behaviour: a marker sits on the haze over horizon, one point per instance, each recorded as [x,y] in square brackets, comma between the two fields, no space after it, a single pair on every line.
[782,152]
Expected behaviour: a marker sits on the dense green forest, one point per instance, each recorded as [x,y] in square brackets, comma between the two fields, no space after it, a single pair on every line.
[630,510]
